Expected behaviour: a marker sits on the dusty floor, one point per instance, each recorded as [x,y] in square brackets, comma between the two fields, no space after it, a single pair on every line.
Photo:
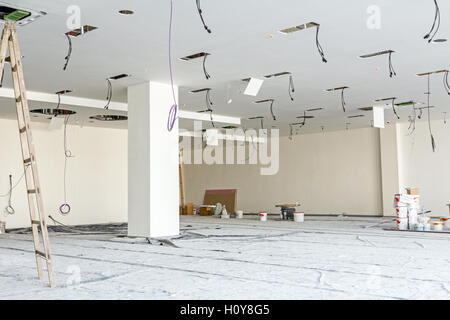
[323,258]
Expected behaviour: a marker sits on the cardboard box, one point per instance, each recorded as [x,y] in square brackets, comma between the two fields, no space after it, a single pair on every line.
[412,191]
[190,209]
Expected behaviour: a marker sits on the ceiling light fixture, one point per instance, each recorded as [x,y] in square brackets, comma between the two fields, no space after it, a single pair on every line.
[253,87]
[203,55]
[389,52]
[291,88]
[20,15]
[445,79]
[261,118]
[126,12]
[356,116]
[209,103]
[304,27]
[271,101]
[342,89]
[393,104]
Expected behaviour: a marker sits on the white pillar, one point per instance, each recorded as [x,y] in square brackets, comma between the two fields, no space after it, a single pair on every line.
[153,178]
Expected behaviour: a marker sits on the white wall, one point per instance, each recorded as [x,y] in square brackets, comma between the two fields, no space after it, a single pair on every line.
[329,173]
[96,177]
[420,167]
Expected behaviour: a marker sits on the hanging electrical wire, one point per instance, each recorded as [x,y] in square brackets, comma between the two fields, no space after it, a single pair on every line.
[391,67]
[272,101]
[209,102]
[9,209]
[291,132]
[65,208]
[393,109]
[319,47]
[291,87]
[412,121]
[436,24]
[109,94]
[433,141]
[173,112]
[343,100]
[446,84]
[200,12]
[445,117]
[59,101]
[69,53]
[207,75]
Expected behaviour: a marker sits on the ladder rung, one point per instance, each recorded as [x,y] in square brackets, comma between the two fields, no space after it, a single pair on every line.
[33,191]
[27,161]
[35,222]
[41,254]
[22,130]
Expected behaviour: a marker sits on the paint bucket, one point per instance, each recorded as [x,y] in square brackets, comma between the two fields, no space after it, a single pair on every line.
[402,212]
[2,227]
[413,216]
[299,217]
[438,226]
[446,221]
[402,223]
[239,214]
[263,216]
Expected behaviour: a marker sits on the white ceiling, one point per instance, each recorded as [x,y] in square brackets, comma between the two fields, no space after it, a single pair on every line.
[240,47]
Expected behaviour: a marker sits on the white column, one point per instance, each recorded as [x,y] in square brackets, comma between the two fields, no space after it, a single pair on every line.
[153,178]
[389,168]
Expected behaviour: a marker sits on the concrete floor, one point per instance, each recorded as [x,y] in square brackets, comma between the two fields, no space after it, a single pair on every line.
[323,258]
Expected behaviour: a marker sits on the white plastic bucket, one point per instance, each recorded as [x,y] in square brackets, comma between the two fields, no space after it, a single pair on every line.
[263,216]
[239,214]
[299,217]
[402,223]
[438,226]
[2,227]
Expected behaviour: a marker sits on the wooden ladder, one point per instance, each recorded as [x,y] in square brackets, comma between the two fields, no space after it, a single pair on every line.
[38,223]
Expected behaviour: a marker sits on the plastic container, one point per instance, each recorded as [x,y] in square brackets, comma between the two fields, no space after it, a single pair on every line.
[2,227]
[239,214]
[299,217]
[446,221]
[225,216]
[438,226]
[402,212]
[402,223]
[263,216]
